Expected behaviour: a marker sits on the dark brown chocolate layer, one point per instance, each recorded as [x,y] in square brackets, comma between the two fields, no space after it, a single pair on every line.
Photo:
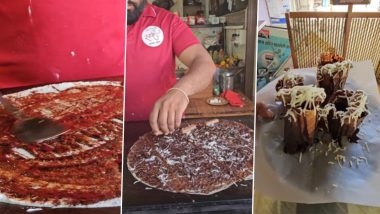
[290,82]
[333,123]
[204,161]
[299,133]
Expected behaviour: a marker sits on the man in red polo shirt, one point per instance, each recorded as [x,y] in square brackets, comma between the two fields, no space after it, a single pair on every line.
[155,36]
[53,41]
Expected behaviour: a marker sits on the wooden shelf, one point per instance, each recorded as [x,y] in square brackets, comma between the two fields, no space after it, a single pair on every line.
[193,5]
[205,26]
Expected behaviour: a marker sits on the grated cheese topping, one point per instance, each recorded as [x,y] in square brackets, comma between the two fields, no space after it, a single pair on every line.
[301,98]
[338,67]
[357,105]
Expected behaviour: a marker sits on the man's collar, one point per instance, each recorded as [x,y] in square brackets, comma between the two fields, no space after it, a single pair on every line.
[149,11]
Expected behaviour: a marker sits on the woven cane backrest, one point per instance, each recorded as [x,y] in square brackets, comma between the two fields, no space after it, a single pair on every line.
[353,35]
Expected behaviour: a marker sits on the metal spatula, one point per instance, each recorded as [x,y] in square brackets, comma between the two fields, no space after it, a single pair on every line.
[29,129]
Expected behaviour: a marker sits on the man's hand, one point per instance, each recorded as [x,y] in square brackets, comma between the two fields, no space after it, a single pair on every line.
[263,111]
[167,112]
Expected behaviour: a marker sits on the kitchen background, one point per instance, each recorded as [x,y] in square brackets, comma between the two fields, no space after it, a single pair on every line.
[220,26]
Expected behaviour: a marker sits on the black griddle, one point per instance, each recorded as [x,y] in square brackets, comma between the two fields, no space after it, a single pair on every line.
[139,198]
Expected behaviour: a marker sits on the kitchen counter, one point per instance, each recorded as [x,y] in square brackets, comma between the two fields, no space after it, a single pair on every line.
[137,198]
[199,108]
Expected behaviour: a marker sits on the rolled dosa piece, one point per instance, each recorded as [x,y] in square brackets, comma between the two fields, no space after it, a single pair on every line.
[344,114]
[301,118]
[332,73]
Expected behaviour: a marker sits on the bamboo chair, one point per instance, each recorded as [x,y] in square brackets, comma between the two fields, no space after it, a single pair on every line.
[356,36]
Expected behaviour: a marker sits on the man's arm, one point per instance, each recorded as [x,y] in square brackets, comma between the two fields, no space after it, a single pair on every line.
[168,110]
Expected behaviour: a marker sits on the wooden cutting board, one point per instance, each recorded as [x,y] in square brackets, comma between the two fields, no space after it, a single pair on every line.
[199,108]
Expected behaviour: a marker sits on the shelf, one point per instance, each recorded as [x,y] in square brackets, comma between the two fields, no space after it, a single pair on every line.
[234,27]
[195,5]
[205,26]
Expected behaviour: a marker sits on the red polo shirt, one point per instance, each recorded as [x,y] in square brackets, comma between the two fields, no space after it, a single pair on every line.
[60,40]
[152,44]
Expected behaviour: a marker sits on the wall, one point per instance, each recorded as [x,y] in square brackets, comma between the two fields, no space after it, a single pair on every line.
[263,12]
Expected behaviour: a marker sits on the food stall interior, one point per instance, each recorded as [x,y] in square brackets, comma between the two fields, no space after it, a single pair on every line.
[226,29]
[221,27]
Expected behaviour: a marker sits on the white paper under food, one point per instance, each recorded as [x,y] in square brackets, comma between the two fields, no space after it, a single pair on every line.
[317,177]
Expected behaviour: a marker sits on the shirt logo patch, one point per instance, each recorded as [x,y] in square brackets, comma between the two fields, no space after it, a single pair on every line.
[152,36]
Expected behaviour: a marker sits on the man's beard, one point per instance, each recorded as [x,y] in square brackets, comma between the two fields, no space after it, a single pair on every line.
[134,15]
